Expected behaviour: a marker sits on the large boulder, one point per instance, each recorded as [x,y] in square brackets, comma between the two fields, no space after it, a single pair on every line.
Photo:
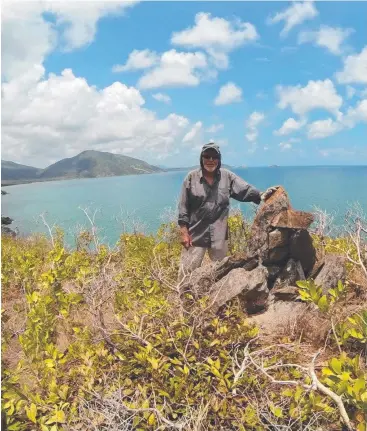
[200,281]
[292,219]
[250,286]
[332,271]
[261,226]
[301,248]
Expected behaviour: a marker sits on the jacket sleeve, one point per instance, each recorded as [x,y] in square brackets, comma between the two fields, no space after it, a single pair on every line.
[183,204]
[242,191]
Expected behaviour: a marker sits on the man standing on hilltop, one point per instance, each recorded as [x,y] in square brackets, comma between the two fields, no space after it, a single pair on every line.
[204,208]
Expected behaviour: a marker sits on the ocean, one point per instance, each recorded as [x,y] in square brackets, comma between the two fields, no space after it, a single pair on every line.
[143,202]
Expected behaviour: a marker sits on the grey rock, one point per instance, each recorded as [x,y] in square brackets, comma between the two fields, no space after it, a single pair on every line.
[276,255]
[278,238]
[301,248]
[288,293]
[280,314]
[273,271]
[200,281]
[6,220]
[250,286]
[291,273]
[292,219]
[332,271]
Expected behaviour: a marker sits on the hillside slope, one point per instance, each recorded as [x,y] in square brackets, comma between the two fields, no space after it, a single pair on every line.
[14,171]
[92,164]
[88,164]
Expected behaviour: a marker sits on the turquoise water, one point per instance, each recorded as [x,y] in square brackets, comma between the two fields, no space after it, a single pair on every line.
[145,199]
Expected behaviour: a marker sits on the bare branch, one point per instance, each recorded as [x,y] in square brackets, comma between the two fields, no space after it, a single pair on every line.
[49,228]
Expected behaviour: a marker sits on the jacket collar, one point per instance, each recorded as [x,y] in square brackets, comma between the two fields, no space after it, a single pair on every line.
[216,178]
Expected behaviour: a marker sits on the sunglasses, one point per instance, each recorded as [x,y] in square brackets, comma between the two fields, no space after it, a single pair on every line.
[206,157]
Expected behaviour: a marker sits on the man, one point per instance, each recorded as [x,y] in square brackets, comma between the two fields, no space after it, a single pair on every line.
[204,208]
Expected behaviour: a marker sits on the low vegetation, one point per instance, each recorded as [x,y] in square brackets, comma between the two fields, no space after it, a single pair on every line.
[97,339]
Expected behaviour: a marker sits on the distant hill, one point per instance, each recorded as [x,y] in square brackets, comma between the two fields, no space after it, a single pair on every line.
[14,171]
[88,164]
[92,164]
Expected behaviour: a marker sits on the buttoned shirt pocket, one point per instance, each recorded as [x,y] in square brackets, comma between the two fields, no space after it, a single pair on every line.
[223,196]
[197,196]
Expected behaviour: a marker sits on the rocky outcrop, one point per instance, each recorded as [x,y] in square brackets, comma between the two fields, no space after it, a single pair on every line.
[331,272]
[6,220]
[5,230]
[264,276]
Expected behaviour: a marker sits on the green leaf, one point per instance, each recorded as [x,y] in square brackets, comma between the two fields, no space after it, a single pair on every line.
[323,303]
[287,392]
[31,412]
[359,385]
[355,334]
[336,365]
[49,363]
[277,411]
[60,417]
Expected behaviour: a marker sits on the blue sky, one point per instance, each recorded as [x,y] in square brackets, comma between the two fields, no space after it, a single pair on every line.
[272,82]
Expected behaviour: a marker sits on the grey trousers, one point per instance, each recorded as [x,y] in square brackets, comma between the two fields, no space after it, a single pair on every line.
[193,257]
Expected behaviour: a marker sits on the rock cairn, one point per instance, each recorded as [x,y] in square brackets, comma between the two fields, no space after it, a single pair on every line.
[279,253]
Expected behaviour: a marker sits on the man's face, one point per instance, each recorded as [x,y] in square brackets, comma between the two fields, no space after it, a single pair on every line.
[210,160]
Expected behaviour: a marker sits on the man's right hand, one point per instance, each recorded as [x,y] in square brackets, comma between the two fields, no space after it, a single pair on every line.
[186,239]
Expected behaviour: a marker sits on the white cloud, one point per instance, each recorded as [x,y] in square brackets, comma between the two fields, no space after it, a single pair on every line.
[294,15]
[79,20]
[327,37]
[315,95]
[252,124]
[162,98]
[216,35]
[194,133]
[60,116]
[138,60]
[284,146]
[176,69]
[214,128]
[228,93]
[251,136]
[323,128]
[27,36]
[288,145]
[351,91]
[255,119]
[289,126]
[355,69]
[356,114]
